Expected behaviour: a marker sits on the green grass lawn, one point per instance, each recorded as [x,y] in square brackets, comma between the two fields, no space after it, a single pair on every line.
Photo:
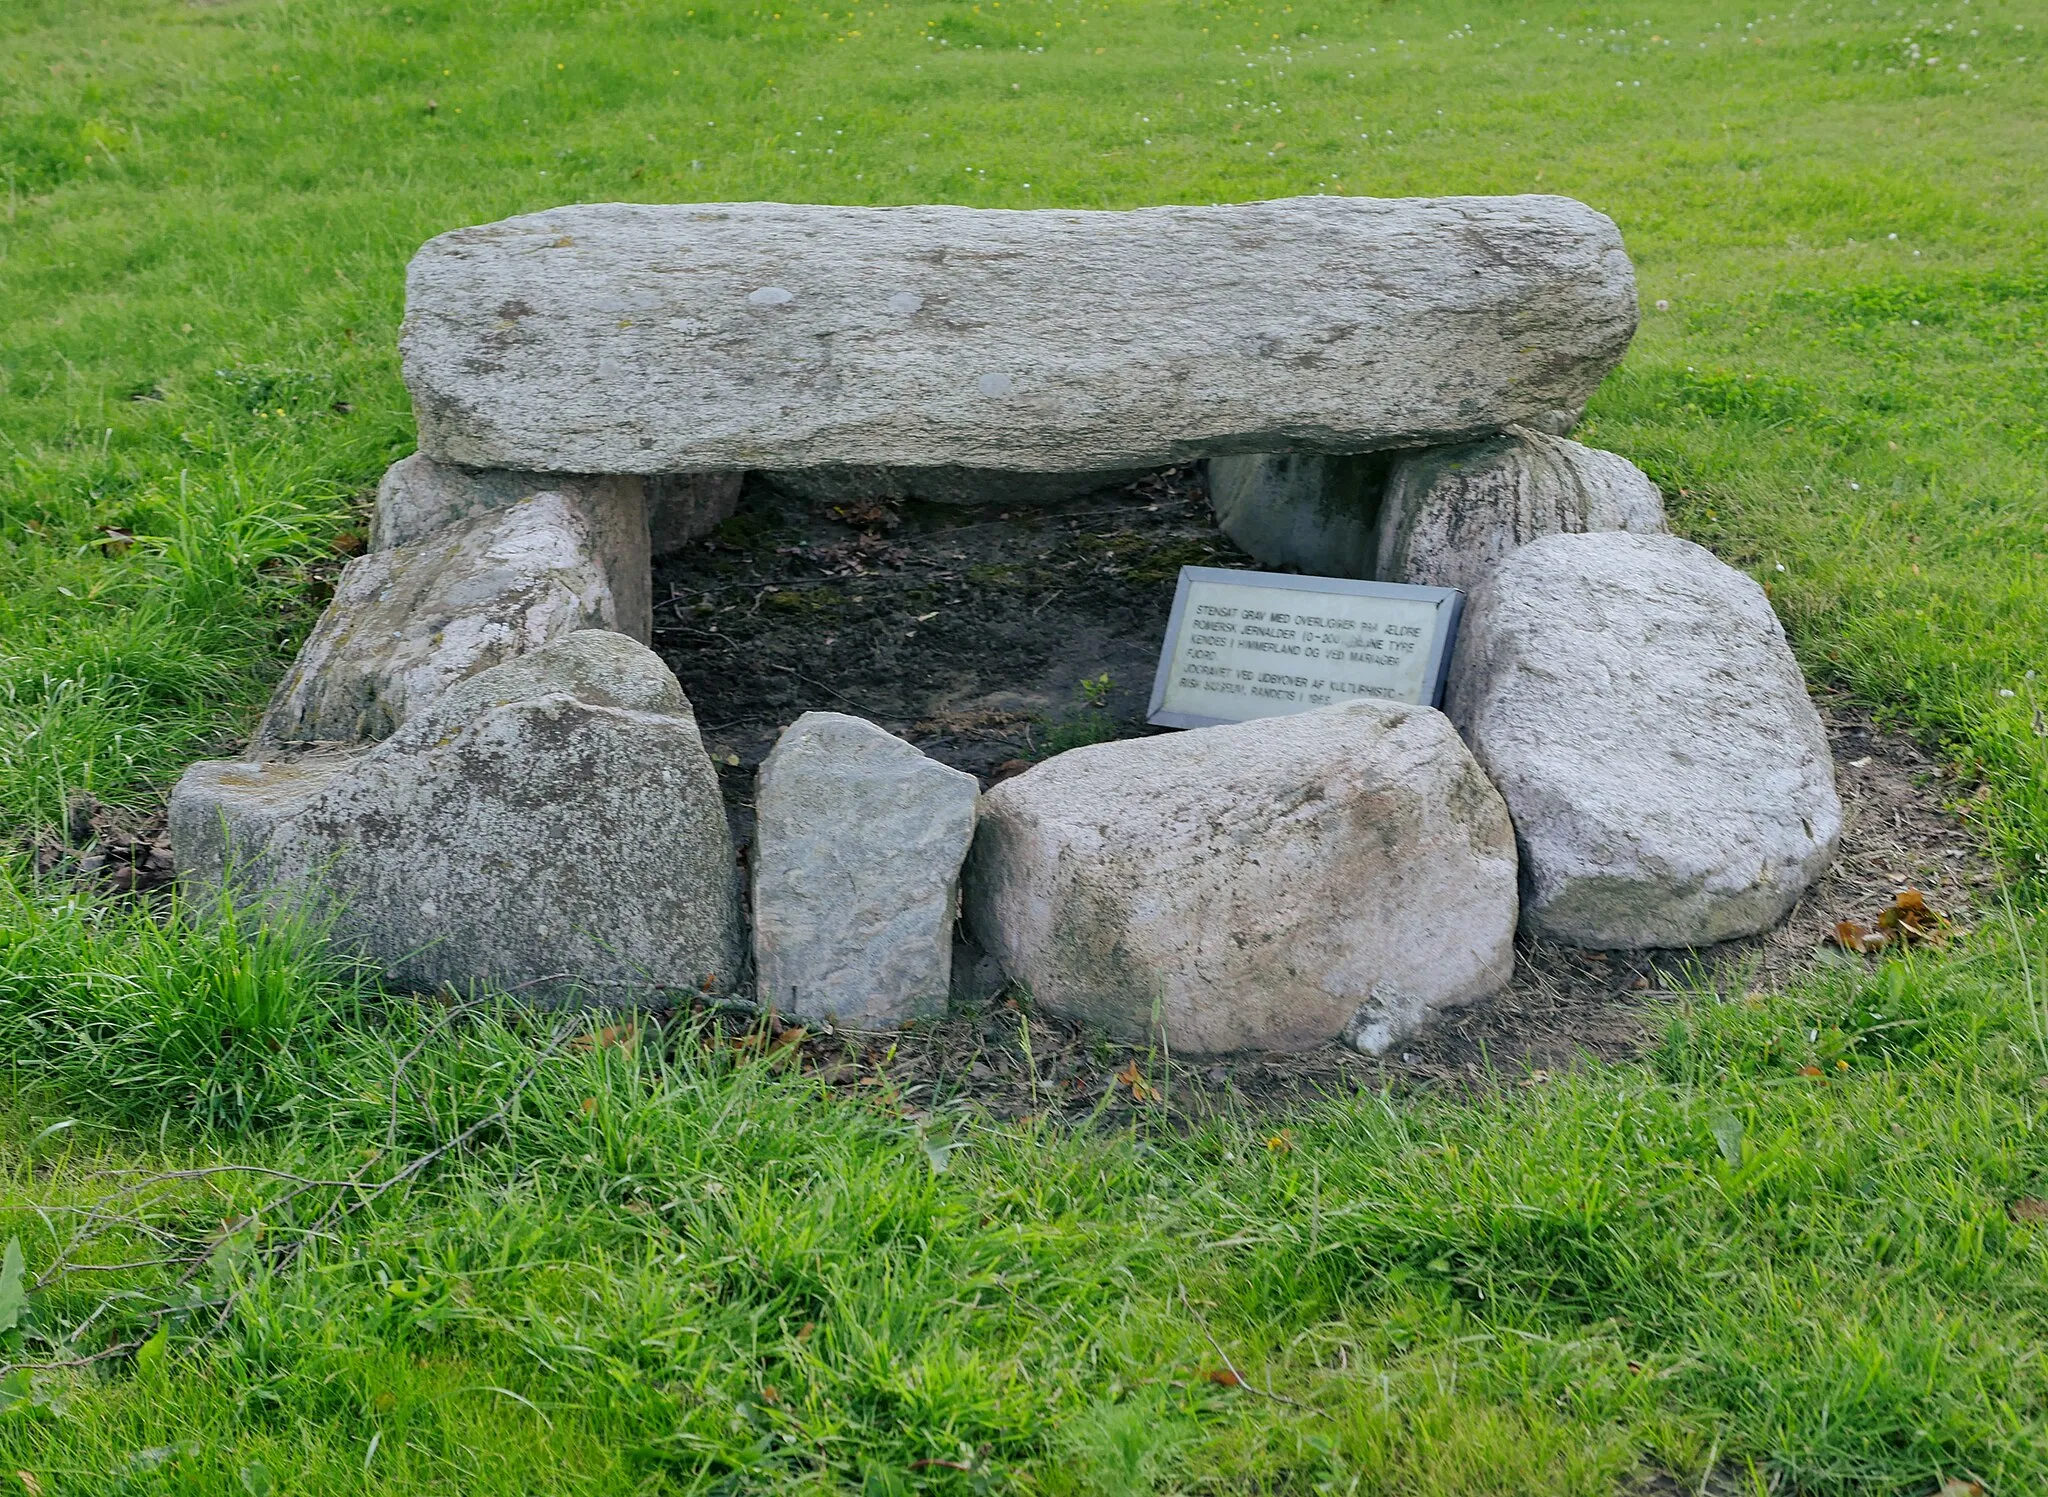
[651,1267]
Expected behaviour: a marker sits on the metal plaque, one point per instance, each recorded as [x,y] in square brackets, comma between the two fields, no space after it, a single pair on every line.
[1242,645]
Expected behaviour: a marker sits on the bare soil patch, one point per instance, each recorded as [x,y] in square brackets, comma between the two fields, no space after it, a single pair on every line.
[971,632]
[968,631]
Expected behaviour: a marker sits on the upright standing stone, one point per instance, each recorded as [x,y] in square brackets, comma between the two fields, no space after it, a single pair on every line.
[408,623]
[1452,513]
[1634,700]
[1266,885]
[551,827]
[857,855]
[1317,514]
[1557,423]
[420,498]
[682,507]
[639,338]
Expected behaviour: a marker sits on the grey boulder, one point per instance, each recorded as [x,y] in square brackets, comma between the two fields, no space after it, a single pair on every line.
[1317,514]
[1451,513]
[857,854]
[642,338]
[1634,699]
[1267,885]
[408,623]
[551,827]
[419,498]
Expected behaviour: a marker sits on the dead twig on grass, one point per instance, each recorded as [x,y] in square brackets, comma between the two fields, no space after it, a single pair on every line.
[1237,1379]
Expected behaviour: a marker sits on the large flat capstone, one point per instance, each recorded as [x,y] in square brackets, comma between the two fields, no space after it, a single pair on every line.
[632,338]
[857,854]
[1634,699]
[1266,885]
[552,827]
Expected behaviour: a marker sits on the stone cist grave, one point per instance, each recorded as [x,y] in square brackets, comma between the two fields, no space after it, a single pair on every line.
[483,773]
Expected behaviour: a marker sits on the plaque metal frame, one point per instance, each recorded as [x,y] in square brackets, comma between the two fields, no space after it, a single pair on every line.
[1449,601]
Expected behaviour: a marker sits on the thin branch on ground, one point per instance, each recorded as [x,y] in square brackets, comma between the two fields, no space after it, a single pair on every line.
[1238,1379]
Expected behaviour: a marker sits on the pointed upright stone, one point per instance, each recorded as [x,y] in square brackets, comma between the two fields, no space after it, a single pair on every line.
[1452,513]
[419,499]
[408,623]
[857,854]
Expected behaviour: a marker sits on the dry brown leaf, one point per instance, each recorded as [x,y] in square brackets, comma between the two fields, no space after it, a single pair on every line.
[604,1039]
[1956,1486]
[1225,1376]
[1813,1071]
[868,515]
[1141,1090]
[2029,1209]
[1850,936]
[589,1106]
[348,543]
[1911,918]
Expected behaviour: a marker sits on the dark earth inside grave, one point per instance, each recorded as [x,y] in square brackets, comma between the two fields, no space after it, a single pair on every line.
[988,636]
